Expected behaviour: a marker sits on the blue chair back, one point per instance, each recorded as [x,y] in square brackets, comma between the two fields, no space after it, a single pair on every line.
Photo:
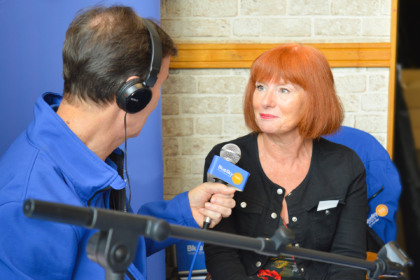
[382,179]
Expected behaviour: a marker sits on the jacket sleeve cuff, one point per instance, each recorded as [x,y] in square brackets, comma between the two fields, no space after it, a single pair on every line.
[185,208]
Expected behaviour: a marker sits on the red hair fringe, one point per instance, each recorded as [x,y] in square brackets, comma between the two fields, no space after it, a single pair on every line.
[307,67]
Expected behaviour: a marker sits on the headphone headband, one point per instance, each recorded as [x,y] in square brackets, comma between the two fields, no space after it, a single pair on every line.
[156,60]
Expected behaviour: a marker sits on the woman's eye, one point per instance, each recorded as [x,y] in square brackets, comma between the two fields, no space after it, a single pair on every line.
[260,87]
[284,90]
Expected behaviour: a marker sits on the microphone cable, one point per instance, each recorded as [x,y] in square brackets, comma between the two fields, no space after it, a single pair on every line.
[193,261]
[125,163]
[206,225]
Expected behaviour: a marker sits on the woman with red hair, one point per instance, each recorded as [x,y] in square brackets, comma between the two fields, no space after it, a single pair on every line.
[313,186]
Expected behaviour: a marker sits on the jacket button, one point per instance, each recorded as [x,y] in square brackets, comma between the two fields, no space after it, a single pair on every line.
[243,204]
[279,191]
[327,212]
[294,219]
[273,215]
[289,194]
[297,245]
[258,264]
[302,269]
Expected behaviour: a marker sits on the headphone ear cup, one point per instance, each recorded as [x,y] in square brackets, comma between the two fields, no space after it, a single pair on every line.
[133,96]
[139,100]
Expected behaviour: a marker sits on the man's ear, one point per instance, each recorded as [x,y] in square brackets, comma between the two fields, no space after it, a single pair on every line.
[132,78]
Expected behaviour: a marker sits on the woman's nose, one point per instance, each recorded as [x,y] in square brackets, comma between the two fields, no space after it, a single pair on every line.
[269,99]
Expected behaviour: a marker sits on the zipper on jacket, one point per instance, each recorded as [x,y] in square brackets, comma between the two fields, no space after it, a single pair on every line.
[375,194]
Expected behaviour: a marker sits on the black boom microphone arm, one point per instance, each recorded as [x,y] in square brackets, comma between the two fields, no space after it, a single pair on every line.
[114,246]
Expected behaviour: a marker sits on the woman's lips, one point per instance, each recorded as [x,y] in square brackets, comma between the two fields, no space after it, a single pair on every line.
[267,116]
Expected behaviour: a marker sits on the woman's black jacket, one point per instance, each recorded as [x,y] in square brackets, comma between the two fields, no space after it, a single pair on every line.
[335,173]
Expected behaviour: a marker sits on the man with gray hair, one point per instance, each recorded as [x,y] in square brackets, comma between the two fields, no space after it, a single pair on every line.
[69,153]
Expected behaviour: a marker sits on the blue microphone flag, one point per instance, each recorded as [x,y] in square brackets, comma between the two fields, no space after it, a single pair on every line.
[228,172]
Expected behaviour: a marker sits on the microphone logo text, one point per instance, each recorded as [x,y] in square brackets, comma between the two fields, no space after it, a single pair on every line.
[224,170]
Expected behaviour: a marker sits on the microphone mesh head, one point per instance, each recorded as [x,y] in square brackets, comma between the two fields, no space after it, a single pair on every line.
[231,153]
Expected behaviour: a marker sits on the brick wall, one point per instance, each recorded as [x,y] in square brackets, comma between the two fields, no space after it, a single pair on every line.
[203,107]
[277,20]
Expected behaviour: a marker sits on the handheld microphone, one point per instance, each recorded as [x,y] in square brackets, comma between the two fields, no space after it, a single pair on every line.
[223,170]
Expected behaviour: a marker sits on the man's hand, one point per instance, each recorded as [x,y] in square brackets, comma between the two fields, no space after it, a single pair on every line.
[220,205]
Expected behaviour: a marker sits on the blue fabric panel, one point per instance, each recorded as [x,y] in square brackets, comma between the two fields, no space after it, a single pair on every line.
[32,35]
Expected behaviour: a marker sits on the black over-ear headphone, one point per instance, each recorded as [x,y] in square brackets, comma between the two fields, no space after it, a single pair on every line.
[135,94]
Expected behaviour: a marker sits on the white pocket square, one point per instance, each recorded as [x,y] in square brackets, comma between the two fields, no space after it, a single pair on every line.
[327,204]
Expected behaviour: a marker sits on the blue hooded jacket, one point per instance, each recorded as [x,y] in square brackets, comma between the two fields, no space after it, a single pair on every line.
[380,172]
[49,162]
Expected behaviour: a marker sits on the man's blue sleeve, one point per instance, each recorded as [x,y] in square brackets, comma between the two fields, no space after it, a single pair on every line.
[176,211]
[31,248]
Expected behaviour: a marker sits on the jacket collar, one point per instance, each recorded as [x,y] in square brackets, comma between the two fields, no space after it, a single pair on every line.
[86,171]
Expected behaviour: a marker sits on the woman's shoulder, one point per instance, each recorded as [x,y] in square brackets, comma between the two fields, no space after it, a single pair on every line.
[331,147]
[334,153]
[339,165]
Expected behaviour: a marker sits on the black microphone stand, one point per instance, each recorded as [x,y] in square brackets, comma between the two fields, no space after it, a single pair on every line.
[114,246]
